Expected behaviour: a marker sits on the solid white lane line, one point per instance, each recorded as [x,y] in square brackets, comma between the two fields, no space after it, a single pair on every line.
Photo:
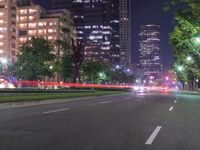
[54,111]
[171,108]
[105,102]
[153,135]
[175,101]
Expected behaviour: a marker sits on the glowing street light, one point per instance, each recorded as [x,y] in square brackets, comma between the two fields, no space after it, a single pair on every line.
[180,68]
[197,40]
[167,78]
[50,67]
[137,81]
[4,61]
[117,67]
[194,44]
[101,74]
[189,58]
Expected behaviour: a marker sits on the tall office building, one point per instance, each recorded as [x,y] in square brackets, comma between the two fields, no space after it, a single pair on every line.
[115,43]
[34,21]
[97,26]
[24,2]
[20,20]
[125,31]
[8,31]
[97,30]
[149,51]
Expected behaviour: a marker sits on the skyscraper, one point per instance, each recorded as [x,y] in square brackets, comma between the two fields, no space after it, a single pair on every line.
[20,20]
[97,25]
[125,31]
[34,21]
[149,51]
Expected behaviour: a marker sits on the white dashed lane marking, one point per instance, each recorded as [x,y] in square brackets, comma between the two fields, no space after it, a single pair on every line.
[171,108]
[57,110]
[105,102]
[153,135]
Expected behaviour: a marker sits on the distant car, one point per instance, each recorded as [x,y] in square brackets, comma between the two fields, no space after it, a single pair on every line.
[4,84]
[164,88]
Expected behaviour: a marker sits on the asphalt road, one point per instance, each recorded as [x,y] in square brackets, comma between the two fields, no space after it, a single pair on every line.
[142,121]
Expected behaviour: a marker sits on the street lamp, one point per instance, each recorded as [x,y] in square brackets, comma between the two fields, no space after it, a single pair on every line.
[189,58]
[3,61]
[194,44]
[180,68]
[100,74]
[167,78]
[197,40]
[50,67]
[117,67]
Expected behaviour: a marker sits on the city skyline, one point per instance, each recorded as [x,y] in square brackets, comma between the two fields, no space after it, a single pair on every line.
[146,12]
[96,27]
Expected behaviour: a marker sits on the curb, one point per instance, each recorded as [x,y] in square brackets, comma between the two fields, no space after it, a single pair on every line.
[50,101]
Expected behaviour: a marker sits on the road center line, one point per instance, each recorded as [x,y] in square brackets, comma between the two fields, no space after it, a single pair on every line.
[58,110]
[171,108]
[105,102]
[153,135]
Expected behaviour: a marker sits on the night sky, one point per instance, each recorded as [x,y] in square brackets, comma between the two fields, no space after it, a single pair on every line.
[151,12]
[146,12]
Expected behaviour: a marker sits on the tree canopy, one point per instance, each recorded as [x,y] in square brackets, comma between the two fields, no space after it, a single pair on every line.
[187,28]
[35,60]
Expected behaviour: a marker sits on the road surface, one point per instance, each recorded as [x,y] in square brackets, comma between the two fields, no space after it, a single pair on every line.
[133,121]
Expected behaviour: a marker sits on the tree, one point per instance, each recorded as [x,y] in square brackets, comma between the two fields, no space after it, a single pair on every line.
[67,68]
[34,61]
[72,52]
[77,59]
[64,50]
[101,72]
[95,72]
[121,76]
[187,16]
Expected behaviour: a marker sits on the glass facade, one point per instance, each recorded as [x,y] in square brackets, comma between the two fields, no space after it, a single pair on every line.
[149,51]
[97,27]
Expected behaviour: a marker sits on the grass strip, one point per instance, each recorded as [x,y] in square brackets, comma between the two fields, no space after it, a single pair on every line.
[39,97]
